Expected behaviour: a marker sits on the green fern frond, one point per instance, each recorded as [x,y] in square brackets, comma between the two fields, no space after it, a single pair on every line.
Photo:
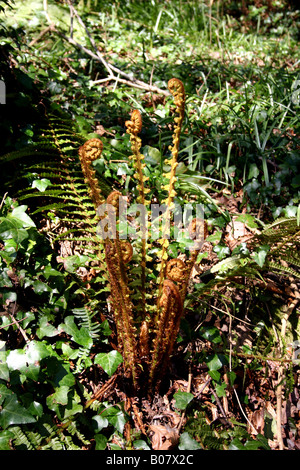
[285,270]
[85,318]
[283,237]
[20,439]
[38,151]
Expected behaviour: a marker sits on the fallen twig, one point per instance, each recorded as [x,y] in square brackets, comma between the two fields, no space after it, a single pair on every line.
[102,390]
[131,81]
[42,33]
[114,73]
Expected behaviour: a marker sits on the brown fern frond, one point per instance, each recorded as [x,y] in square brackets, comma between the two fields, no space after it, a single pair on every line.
[134,127]
[166,330]
[177,90]
[89,152]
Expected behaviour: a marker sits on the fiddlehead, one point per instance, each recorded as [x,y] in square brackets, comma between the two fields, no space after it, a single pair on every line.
[166,330]
[176,88]
[175,270]
[89,152]
[134,127]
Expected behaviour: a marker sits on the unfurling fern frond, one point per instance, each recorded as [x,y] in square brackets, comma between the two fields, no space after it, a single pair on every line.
[147,314]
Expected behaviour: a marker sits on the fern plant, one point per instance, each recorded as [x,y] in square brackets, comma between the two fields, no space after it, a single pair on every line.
[147,317]
[49,179]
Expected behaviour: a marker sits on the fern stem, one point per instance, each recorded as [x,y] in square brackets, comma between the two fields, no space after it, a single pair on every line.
[176,88]
[134,127]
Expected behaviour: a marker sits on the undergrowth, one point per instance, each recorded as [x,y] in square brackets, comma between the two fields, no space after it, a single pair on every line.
[233,369]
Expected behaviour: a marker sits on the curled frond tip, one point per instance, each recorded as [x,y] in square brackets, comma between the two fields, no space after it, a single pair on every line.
[91,150]
[134,126]
[176,87]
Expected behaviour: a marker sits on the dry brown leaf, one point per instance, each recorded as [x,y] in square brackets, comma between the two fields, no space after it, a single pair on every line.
[164,437]
[257,419]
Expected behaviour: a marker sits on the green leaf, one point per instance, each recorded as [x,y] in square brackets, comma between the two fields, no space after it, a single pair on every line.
[152,155]
[61,395]
[41,184]
[36,409]
[11,228]
[101,442]
[4,372]
[98,423]
[211,333]
[222,251]
[248,220]
[109,361]
[216,361]
[215,375]
[260,255]
[71,263]
[18,360]
[182,399]
[80,336]
[27,360]
[221,389]
[58,372]
[39,287]
[141,445]
[19,213]
[4,393]
[46,329]
[116,417]
[186,442]
[236,444]
[5,437]
[13,413]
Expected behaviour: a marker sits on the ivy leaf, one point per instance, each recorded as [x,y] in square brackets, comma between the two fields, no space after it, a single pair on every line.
[27,360]
[80,336]
[215,361]
[152,155]
[98,423]
[59,373]
[182,399]
[248,220]
[4,393]
[116,417]
[11,228]
[141,445]
[101,442]
[60,396]
[39,287]
[221,389]
[34,407]
[4,372]
[5,437]
[211,333]
[45,328]
[260,255]
[186,442]
[64,402]
[109,361]
[222,251]
[20,214]
[41,184]
[13,413]
[73,262]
